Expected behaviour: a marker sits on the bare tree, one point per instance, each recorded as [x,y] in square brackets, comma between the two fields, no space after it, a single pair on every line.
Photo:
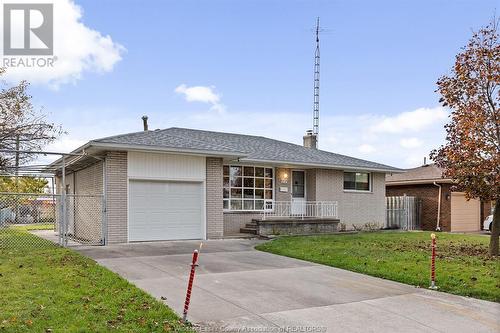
[22,126]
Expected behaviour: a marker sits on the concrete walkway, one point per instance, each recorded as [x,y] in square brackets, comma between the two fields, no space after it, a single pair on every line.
[237,286]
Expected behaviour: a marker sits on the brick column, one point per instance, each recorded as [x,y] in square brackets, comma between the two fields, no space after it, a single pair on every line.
[215,217]
[116,196]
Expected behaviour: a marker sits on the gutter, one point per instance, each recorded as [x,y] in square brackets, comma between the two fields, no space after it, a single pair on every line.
[438,227]
[418,182]
[145,148]
[240,156]
[323,166]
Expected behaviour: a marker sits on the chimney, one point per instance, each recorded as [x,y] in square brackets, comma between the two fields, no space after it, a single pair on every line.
[145,122]
[310,140]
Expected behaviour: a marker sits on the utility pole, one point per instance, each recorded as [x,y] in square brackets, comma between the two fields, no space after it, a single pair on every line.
[17,177]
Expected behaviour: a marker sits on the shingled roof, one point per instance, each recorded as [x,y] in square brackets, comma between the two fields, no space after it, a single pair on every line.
[247,147]
[428,173]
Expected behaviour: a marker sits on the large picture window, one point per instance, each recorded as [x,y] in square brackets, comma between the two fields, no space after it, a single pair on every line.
[247,187]
[357,181]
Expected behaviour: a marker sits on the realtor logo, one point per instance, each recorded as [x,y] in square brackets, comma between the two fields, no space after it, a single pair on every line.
[28,29]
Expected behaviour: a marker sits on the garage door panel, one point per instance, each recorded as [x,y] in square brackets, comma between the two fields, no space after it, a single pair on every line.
[165,210]
[465,214]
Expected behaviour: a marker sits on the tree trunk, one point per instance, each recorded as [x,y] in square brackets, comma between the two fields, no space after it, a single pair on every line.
[495,230]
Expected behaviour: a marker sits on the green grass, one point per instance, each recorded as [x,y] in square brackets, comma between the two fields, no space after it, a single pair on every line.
[45,288]
[463,266]
[35,226]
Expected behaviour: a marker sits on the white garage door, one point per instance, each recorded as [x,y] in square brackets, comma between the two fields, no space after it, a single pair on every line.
[465,214]
[165,210]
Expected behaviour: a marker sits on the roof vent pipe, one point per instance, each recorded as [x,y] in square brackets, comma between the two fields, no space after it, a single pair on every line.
[145,122]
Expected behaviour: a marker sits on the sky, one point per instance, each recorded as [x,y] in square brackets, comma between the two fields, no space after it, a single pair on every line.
[247,67]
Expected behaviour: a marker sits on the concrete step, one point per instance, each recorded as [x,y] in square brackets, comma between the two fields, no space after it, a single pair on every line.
[251,225]
[252,231]
[241,236]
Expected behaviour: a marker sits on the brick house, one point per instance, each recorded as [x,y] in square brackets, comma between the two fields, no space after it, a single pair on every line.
[181,183]
[436,194]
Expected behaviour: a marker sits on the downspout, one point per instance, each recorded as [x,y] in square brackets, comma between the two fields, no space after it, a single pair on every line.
[438,227]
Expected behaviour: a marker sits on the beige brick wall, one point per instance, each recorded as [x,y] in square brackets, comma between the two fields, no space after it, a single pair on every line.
[311,185]
[278,183]
[215,218]
[233,221]
[116,193]
[87,208]
[89,180]
[354,207]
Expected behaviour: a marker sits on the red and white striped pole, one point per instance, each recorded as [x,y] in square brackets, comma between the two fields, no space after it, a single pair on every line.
[433,263]
[190,285]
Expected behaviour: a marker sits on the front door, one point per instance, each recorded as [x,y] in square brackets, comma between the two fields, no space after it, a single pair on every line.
[298,192]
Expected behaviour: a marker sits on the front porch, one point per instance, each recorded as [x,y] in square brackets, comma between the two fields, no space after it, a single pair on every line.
[295,218]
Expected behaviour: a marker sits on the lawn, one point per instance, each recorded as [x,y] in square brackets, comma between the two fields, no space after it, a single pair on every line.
[35,226]
[463,266]
[45,288]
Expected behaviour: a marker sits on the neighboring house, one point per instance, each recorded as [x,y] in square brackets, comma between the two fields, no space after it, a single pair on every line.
[181,183]
[435,192]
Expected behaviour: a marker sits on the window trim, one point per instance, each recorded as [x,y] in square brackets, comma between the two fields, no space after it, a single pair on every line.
[370,182]
[266,201]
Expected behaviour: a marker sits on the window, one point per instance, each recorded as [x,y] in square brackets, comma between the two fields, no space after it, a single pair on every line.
[247,187]
[357,181]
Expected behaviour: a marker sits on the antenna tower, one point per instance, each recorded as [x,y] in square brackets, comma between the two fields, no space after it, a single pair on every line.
[316,84]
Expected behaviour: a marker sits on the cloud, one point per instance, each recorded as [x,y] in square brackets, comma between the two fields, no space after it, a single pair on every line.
[77,48]
[410,121]
[410,142]
[366,148]
[202,94]
[198,94]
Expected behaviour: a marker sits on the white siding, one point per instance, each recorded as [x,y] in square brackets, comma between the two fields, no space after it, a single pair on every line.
[166,166]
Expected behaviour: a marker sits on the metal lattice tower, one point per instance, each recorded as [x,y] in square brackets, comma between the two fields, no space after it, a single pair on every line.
[316,84]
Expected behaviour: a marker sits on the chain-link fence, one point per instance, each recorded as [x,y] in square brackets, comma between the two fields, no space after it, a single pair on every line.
[84,219]
[30,220]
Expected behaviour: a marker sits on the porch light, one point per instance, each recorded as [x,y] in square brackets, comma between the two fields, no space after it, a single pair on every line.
[284,176]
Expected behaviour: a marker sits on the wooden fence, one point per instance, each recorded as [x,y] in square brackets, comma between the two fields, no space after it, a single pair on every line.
[402,213]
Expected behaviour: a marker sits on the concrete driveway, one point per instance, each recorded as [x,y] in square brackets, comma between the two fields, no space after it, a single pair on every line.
[237,286]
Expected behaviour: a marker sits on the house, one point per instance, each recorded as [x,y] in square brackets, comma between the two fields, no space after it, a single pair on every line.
[436,194]
[180,183]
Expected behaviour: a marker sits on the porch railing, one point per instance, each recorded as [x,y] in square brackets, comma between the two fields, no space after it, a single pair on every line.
[305,209]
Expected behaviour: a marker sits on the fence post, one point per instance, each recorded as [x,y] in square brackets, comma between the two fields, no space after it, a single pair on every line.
[104,221]
[62,232]
[190,285]
[433,263]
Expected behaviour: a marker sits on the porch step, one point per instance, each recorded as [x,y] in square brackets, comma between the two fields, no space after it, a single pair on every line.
[252,225]
[252,231]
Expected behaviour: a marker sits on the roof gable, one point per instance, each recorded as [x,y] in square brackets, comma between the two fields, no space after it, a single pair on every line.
[426,173]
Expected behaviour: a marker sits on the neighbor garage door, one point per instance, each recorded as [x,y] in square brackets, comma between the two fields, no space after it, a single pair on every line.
[165,210]
[465,214]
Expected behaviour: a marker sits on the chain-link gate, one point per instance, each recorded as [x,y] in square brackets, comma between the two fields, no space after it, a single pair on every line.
[66,219]
[84,220]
